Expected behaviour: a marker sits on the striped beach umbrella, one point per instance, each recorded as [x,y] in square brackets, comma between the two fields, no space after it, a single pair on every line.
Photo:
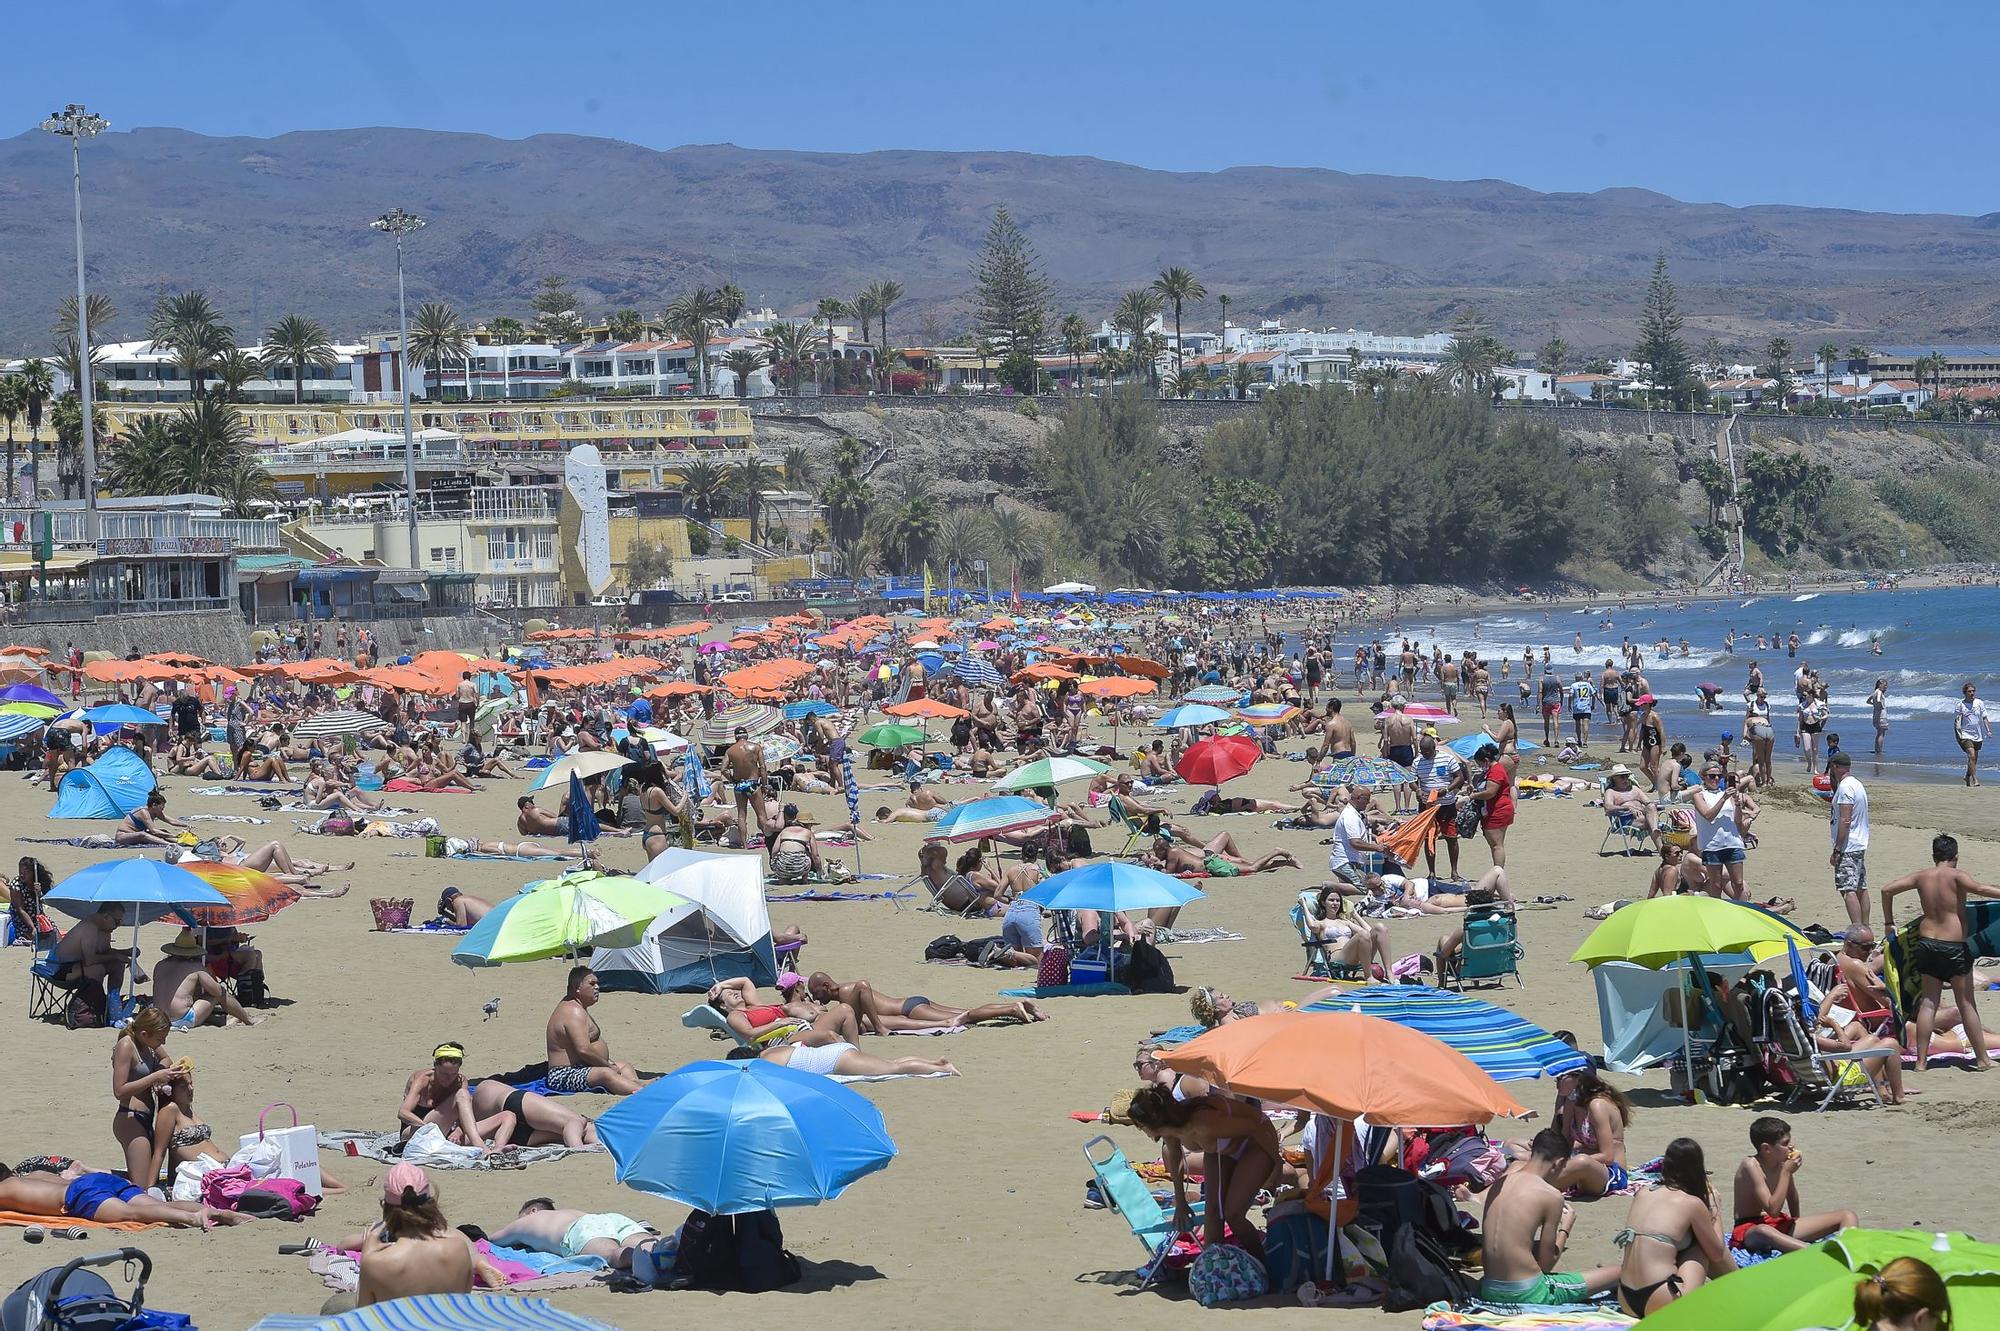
[976,671]
[1050,772]
[998,816]
[1267,713]
[1506,1047]
[339,722]
[755,718]
[1214,693]
[253,896]
[443,1312]
[15,725]
[1363,771]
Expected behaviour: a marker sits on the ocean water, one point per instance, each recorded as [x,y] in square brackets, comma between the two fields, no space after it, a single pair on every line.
[1932,641]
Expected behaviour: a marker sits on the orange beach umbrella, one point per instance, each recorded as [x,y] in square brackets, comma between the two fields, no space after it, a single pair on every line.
[1346,1065]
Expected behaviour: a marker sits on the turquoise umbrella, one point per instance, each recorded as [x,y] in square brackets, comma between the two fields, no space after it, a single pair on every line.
[997,816]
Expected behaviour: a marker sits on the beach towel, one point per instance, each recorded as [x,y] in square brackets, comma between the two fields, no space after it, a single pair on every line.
[339,1269]
[430,1149]
[1185,937]
[227,818]
[929,1030]
[839,896]
[402,785]
[428,927]
[889,1076]
[23,1219]
[1178,1035]
[96,841]
[1065,991]
[1498,1317]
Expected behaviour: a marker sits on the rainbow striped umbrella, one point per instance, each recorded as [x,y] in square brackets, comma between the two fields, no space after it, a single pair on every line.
[253,896]
[990,817]
[1267,713]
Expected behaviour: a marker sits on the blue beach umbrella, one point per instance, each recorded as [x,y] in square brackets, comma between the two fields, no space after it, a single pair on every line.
[1216,693]
[1467,745]
[13,725]
[731,1138]
[990,817]
[1505,1046]
[1188,716]
[121,714]
[583,825]
[1111,886]
[799,711]
[31,693]
[443,1312]
[977,671]
[150,889]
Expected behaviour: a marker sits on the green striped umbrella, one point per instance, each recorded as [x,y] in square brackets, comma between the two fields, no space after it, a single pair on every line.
[1050,772]
[561,917]
[892,736]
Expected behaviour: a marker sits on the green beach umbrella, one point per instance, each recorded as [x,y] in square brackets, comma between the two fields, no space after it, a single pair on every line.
[562,916]
[892,736]
[1050,772]
[1662,930]
[1814,1287]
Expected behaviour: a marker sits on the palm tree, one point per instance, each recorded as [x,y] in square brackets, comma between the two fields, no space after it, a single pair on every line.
[233,369]
[1186,383]
[1135,313]
[298,340]
[37,387]
[798,468]
[1223,301]
[1827,351]
[97,306]
[1176,285]
[69,359]
[1241,380]
[1550,359]
[750,481]
[864,308]
[703,485]
[883,296]
[188,326]
[626,325]
[67,418]
[887,363]
[13,401]
[1074,334]
[436,336]
[828,309]
[246,484]
[731,303]
[854,557]
[695,317]
[962,536]
[1015,537]
[742,363]
[1469,361]
[910,530]
[792,347]
[507,330]
[136,462]
[204,448]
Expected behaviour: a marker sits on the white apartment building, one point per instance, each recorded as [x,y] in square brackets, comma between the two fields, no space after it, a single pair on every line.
[516,370]
[504,535]
[137,372]
[1375,348]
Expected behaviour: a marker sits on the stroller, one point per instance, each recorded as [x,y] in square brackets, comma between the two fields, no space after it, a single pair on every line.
[72,1298]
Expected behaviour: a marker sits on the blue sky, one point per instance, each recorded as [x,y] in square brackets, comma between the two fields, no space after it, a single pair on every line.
[1837,104]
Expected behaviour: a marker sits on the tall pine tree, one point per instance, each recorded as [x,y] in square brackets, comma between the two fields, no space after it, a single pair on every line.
[1660,345]
[1011,293]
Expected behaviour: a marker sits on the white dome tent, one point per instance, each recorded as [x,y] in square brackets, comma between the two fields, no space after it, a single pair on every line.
[723,932]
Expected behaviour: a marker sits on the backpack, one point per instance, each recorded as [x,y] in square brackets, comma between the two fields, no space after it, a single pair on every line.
[945,947]
[1735,1074]
[1147,970]
[744,1253]
[251,991]
[1421,1272]
[1225,1273]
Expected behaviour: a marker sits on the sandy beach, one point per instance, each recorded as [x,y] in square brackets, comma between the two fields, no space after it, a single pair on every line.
[981,1219]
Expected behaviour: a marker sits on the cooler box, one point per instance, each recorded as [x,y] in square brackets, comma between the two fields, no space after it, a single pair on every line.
[298,1143]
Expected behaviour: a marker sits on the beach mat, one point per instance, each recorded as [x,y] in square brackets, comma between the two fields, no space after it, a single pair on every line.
[1478,1316]
[1066,991]
[840,896]
[890,1076]
[23,1219]
[382,1147]
[341,1270]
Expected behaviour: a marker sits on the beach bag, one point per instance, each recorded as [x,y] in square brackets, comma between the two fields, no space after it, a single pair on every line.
[1294,1249]
[336,824]
[761,1260]
[189,1174]
[945,947]
[277,1199]
[434,847]
[1735,1072]
[1054,967]
[1421,1273]
[391,912]
[251,991]
[298,1147]
[1465,818]
[1147,970]
[1225,1273]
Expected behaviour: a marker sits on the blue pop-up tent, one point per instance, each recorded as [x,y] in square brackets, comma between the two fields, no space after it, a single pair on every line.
[111,787]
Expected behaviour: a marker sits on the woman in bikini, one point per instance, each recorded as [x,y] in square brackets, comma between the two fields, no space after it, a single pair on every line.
[1211,1007]
[1506,734]
[179,1134]
[438,1094]
[1672,1238]
[140,1076]
[1595,1115]
[794,853]
[766,1023]
[1232,1134]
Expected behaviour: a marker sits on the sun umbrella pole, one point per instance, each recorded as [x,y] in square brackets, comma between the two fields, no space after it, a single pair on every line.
[1333,1262]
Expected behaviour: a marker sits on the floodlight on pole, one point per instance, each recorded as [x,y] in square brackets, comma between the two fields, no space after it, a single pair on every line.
[76,124]
[399,223]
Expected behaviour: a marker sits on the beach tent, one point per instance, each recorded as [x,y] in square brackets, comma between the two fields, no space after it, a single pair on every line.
[111,787]
[723,932]
[1630,1015]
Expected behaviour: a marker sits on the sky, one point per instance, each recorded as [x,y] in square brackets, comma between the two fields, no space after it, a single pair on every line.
[1835,104]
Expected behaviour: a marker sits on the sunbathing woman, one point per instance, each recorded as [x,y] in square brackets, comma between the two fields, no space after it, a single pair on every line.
[462,908]
[1349,940]
[1233,1134]
[761,1023]
[272,858]
[1211,1007]
[1216,802]
[1218,858]
[883,1013]
[538,1119]
[841,1059]
[954,891]
[439,1094]
[325,790]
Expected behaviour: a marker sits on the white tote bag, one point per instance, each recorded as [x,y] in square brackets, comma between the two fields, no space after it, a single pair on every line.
[298,1147]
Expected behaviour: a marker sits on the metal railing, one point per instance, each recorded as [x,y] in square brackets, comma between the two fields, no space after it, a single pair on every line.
[244,533]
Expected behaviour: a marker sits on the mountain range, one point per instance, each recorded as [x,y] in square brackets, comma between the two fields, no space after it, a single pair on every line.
[269,226]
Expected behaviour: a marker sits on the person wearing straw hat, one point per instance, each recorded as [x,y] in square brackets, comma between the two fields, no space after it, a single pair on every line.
[185,990]
[1621,796]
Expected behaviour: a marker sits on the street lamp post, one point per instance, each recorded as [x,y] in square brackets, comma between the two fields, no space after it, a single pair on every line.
[399,223]
[76,124]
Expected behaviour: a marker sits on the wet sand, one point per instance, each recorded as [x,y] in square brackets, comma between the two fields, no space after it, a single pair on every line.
[980,1221]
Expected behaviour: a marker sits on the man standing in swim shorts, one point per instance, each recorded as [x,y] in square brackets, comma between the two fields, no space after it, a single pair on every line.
[1941,954]
[743,768]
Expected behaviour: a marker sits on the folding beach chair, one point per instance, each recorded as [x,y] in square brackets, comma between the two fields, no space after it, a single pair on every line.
[1319,962]
[708,1017]
[1491,951]
[1619,826]
[49,999]
[1122,817]
[936,903]
[1127,1194]
[1835,1073]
